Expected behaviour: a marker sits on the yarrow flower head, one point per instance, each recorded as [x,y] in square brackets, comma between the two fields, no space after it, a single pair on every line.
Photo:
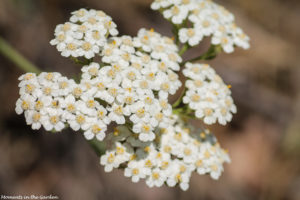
[127,90]
[207,95]
[85,34]
[197,19]
[171,159]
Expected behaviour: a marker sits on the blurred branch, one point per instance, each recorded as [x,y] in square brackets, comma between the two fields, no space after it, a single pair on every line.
[10,53]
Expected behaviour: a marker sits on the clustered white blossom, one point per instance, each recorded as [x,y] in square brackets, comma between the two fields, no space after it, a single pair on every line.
[207,94]
[85,34]
[53,101]
[197,19]
[171,159]
[129,87]
[133,85]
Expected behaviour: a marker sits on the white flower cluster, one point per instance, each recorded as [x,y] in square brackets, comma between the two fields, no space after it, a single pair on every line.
[171,159]
[132,88]
[53,101]
[207,19]
[85,34]
[207,94]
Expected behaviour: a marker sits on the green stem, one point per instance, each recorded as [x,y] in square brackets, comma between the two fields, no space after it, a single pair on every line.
[175,32]
[211,53]
[10,53]
[183,49]
[84,61]
[99,147]
[178,101]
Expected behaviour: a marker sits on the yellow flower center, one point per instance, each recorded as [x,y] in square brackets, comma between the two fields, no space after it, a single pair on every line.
[86,46]
[190,32]
[224,41]
[108,24]
[126,56]
[199,163]
[140,112]
[71,107]
[187,151]
[172,57]
[71,46]
[198,83]
[77,92]
[162,66]
[163,104]
[61,37]
[175,10]
[96,35]
[203,135]
[54,119]
[118,110]
[63,85]
[91,104]
[92,20]
[206,24]
[39,105]
[80,119]
[131,76]
[146,128]
[144,84]
[214,168]
[178,178]
[66,27]
[165,165]
[82,28]
[100,86]
[167,149]
[36,117]
[148,163]
[208,111]
[47,90]
[100,114]
[206,154]
[111,158]
[148,100]
[80,13]
[196,70]
[120,150]
[165,86]
[151,76]
[25,105]
[135,171]
[93,71]
[159,116]
[30,88]
[55,104]
[129,100]
[182,168]
[195,98]
[178,136]
[155,175]
[28,76]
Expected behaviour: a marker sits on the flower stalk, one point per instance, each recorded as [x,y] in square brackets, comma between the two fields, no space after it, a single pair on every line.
[13,55]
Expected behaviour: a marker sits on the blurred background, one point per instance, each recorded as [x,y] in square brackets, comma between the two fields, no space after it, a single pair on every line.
[263,139]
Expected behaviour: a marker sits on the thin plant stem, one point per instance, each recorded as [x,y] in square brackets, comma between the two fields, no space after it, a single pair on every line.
[10,53]
[178,101]
[183,49]
[211,53]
